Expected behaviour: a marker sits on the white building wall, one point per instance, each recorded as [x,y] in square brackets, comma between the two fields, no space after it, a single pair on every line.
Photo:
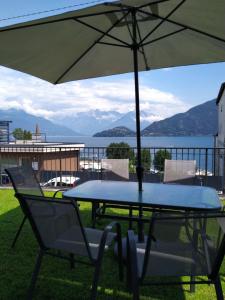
[220,141]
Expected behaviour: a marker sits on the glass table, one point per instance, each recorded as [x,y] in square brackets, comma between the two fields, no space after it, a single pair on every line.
[154,195]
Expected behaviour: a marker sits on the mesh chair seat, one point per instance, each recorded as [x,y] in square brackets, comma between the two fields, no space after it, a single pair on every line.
[171,259]
[57,225]
[111,169]
[179,171]
[24,181]
[198,251]
[69,241]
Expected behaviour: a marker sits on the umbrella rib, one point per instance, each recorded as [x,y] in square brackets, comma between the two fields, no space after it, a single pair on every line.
[105,33]
[153,3]
[56,21]
[185,26]
[143,50]
[163,21]
[129,6]
[164,36]
[111,44]
[128,28]
[88,49]
[70,18]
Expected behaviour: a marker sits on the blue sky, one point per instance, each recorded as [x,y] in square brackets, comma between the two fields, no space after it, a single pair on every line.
[186,86]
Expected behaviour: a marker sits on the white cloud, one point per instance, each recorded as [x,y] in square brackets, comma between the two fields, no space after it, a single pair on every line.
[40,98]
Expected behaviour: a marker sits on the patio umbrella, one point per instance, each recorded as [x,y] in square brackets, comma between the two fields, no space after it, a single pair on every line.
[117,37]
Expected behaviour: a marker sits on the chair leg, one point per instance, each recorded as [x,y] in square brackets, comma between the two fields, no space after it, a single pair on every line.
[132,270]
[72,264]
[192,285]
[18,232]
[120,255]
[95,206]
[95,280]
[218,287]
[130,216]
[35,275]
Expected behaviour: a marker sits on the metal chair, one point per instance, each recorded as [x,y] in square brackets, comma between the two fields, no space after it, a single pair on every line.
[179,171]
[115,169]
[198,252]
[56,229]
[111,169]
[24,181]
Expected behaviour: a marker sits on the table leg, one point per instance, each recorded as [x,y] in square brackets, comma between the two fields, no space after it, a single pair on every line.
[141,235]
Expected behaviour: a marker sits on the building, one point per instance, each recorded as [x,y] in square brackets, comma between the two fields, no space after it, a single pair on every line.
[37,136]
[4,131]
[220,138]
[47,159]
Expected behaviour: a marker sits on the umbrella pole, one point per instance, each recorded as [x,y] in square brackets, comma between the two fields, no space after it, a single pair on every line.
[139,169]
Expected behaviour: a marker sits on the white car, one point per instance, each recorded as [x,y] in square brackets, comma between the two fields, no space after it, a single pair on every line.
[61,181]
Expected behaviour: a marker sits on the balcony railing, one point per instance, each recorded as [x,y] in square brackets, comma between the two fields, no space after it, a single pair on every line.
[61,162]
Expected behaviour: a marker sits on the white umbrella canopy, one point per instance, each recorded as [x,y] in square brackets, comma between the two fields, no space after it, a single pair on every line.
[117,37]
[70,46]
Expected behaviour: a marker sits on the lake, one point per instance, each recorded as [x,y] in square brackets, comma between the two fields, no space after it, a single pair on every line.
[157,142]
[162,141]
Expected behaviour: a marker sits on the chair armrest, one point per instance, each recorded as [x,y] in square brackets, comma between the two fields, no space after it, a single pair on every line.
[132,267]
[60,190]
[109,228]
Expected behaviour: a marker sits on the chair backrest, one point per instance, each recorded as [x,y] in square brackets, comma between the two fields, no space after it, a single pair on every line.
[115,169]
[24,180]
[179,170]
[197,249]
[56,224]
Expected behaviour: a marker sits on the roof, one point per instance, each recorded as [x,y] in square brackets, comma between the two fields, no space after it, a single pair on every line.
[220,93]
[40,147]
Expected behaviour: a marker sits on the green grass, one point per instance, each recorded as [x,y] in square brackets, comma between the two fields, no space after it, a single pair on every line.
[56,280]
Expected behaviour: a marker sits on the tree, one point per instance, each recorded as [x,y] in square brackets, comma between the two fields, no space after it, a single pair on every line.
[146,159]
[20,134]
[27,135]
[159,159]
[119,150]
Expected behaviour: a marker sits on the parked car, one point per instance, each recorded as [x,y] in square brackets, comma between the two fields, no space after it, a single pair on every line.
[64,180]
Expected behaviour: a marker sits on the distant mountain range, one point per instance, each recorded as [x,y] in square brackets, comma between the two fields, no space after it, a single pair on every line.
[92,121]
[89,122]
[129,120]
[199,120]
[21,119]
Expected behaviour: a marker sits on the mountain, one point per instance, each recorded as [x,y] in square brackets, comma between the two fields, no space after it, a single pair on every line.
[199,120]
[129,120]
[21,119]
[117,131]
[90,121]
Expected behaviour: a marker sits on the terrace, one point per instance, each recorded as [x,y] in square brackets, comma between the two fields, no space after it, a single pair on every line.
[56,278]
